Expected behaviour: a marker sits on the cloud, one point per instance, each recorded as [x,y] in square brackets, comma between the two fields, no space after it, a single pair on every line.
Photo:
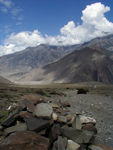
[14,11]
[94,24]
[6,3]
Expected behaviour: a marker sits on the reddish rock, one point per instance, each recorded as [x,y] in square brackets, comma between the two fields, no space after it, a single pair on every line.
[24,140]
[35,99]
[100,147]
[28,105]
[89,127]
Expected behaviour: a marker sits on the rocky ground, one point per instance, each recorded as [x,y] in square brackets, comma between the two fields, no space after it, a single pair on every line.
[56,119]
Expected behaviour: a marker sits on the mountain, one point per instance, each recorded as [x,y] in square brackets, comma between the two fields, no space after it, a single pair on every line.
[86,64]
[4,81]
[15,65]
[18,65]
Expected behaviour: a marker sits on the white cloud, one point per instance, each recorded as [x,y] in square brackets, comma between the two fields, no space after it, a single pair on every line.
[94,24]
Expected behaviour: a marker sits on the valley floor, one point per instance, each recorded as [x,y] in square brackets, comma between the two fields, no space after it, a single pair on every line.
[93,100]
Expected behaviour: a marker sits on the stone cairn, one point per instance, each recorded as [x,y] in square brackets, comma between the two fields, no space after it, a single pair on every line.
[42,125]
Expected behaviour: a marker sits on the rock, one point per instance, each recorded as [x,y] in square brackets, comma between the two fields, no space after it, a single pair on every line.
[11,118]
[89,127]
[72,145]
[85,120]
[36,124]
[43,110]
[25,114]
[62,119]
[28,105]
[24,140]
[76,124]
[54,116]
[35,99]
[55,132]
[69,117]
[60,144]
[53,105]
[80,120]
[18,127]
[100,147]
[78,136]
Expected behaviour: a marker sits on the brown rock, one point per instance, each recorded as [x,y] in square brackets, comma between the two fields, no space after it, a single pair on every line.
[100,147]
[28,105]
[25,114]
[35,99]
[89,127]
[24,140]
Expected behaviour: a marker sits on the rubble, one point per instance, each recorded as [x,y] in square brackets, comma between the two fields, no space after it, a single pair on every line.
[38,124]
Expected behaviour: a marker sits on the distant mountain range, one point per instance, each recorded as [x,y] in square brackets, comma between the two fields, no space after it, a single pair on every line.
[91,61]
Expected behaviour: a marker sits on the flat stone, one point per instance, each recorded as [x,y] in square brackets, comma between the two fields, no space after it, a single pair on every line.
[11,118]
[100,147]
[78,136]
[60,144]
[72,145]
[62,119]
[43,110]
[18,127]
[36,124]
[24,140]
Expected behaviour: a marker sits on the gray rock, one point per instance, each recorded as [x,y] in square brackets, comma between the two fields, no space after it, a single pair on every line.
[43,110]
[78,136]
[18,127]
[72,145]
[60,144]
[62,119]
[36,124]
[76,124]
[11,118]
[94,147]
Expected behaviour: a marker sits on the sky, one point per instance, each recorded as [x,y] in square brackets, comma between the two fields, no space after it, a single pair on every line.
[25,23]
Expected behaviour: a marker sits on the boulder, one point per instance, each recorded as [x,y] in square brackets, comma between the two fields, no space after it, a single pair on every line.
[78,136]
[43,110]
[76,124]
[36,124]
[72,145]
[18,127]
[24,140]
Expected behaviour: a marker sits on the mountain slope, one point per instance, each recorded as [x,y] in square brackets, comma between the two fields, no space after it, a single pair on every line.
[85,65]
[19,63]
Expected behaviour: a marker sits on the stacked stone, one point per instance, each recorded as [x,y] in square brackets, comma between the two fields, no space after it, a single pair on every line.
[41,125]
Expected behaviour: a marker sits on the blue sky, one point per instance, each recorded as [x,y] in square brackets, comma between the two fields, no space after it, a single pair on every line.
[51,21]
